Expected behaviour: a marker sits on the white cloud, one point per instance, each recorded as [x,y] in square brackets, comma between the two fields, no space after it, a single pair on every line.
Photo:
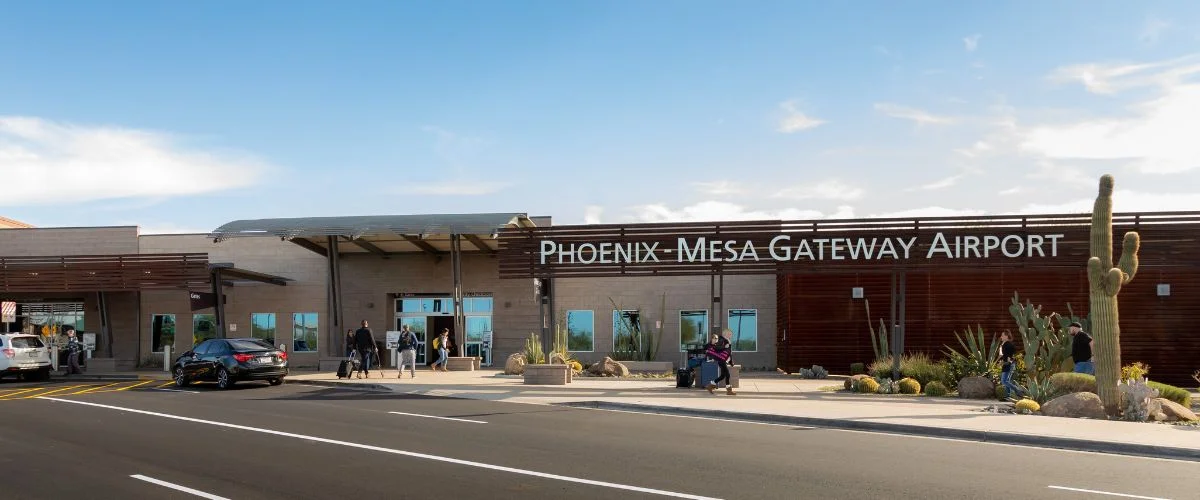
[978,149]
[719,188]
[453,188]
[1123,201]
[1155,137]
[929,212]
[592,213]
[1013,190]
[972,42]
[715,211]
[53,162]
[916,115]
[826,190]
[938,184]
[796,120]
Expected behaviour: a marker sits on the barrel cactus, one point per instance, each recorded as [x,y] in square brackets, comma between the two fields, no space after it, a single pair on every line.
[1028,405]
[1104,283]
[868,385]
[909,385]
[936,389]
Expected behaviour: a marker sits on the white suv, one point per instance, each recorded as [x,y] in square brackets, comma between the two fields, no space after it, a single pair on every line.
[25,355]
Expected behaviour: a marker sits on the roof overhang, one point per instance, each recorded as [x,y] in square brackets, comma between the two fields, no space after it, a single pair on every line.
[103,273]
[231,275]
[382,235]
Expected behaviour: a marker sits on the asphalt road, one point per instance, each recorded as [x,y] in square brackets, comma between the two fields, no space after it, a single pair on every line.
[126,441]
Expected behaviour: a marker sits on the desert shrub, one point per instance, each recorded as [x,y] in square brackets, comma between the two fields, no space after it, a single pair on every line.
[576,366]
[1135,399]
[868,385]
[1028,405]
[1181,396]
[805,373]
[1001,392]
[923,369]
[936,389]
[881,368]
[819,372]
[909,386]
[858,369]
[886,386]
[1136,371]
[852,382]
[977,357]
[1067,383]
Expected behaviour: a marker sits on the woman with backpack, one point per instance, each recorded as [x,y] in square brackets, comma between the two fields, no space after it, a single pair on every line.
[442,344]
[720,350]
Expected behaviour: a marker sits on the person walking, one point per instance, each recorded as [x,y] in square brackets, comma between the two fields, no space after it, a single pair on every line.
[1081,349]
[442,344]
[350,345]
[74,349]
[408,352]
[364,340]
[720,350]
[1007,354]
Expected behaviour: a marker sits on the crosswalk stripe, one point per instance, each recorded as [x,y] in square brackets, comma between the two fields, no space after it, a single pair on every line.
[166,384]
[21,392]
[125,388]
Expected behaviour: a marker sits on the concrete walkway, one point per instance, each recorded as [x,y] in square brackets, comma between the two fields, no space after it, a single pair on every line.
[780,399]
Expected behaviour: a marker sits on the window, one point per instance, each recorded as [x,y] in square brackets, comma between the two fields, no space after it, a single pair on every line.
[262,326]
[581,331]
[204,327]
[249,345]
[304,332]
[427,306]
[744,325]
[162,331]
[693,329]
[626,326]
[477,305]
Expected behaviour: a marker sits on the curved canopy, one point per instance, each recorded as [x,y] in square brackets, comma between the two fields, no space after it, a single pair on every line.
[379,234]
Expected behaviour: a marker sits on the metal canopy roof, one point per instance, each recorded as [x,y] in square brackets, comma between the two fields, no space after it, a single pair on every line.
[383,235]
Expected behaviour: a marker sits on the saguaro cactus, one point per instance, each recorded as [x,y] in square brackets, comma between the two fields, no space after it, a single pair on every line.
[1105,282]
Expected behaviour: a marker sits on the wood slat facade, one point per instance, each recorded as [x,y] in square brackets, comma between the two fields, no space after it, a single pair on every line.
[103,273]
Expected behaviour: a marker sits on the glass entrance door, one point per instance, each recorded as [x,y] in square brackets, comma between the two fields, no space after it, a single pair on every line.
[416,324]
[420,314]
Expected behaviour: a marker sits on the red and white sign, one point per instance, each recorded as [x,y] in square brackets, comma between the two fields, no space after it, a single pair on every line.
[8,312]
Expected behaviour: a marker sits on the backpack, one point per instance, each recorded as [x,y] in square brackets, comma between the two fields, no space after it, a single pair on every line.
[437,341]
[408,341]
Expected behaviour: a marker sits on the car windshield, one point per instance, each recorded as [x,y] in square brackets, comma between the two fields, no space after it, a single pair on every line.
[27,342]
[249,345]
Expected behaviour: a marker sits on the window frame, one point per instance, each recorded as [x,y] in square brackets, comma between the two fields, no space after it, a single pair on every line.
[592,327]
[303,324]
[729,325]
[706,327]
[274,326]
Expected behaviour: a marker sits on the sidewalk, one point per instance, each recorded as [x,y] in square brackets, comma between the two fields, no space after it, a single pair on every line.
[780,399]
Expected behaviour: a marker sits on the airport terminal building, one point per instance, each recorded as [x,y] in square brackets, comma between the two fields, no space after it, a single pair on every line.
[793,293]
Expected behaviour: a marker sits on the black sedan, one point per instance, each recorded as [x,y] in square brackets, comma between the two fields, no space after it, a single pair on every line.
[227,361]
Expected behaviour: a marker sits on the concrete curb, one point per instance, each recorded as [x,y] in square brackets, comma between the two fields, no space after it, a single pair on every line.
[342,385]
[1074,444]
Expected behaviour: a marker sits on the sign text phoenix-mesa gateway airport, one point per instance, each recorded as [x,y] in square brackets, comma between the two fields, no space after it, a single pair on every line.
[783,248]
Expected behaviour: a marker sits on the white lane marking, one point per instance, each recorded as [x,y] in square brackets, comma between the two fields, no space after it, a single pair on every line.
[394,451]
[176,390]
[885,433]
[440,418]
[1103,493]
[177,487]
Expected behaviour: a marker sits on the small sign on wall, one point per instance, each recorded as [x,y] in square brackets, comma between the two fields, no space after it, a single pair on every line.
[233,327]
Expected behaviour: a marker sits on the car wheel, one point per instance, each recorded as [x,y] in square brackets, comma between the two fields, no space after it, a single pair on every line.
[276,381]
[180,379]
[223,379]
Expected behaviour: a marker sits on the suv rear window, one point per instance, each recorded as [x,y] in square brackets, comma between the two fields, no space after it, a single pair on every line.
[27,343]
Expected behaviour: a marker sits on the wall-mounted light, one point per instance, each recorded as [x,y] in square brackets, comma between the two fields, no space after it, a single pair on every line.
[856,292]
[1164,290]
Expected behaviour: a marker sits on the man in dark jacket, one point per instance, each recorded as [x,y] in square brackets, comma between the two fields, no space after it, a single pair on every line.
[364,341]
[1081,349]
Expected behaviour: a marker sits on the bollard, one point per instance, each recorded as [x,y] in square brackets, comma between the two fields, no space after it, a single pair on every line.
[167,358]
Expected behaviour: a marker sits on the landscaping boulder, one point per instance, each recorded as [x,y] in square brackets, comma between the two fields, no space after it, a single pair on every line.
[852,382]
[609,368]
[515,364]
[1076,405]
[1175,411]
[976,388]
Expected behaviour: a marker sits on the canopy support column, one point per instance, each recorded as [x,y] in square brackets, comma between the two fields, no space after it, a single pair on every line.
[333,259]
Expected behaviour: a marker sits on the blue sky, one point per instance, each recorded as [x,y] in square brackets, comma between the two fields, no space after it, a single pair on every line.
[182,116]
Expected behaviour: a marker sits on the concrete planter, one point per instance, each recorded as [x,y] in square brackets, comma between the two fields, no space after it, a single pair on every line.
[649,366]
[547,374]
[462,364]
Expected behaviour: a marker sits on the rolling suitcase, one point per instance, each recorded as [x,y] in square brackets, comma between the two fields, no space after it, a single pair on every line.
[343,369]
[708,373]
